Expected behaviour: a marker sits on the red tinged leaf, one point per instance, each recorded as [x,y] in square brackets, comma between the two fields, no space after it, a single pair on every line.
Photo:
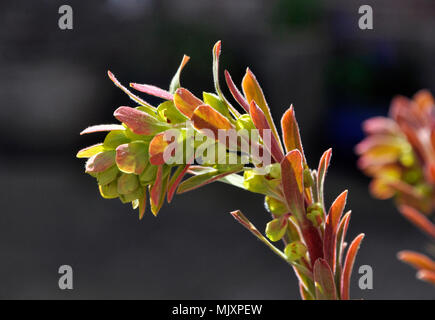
[102,128]
[152,90]
[290,132]
[417,260]
[321,173]
[139,122]
[100,162]
[235,92]
[158,190]
[348,266]
[293,188]
[426,275]
[186,102]
[216,54]
[205,117]
[131,95]
[176,180]
[142,204]
[132,157]
[341,235]
[325,285]
[293,183]
[261,124]
[331,225]
[157,148]
[253,91]
[418,219]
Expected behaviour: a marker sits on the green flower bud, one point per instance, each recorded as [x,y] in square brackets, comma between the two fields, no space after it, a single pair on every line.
[275,206]
[107,176]
[109,191]
[254,182]
[308,179]
[276,228]
[295,251]
[315,211]
[274,170]
[127,183]
[136,194]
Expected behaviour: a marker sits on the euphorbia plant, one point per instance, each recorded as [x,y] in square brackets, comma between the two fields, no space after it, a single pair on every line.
[154,148]
[399,153]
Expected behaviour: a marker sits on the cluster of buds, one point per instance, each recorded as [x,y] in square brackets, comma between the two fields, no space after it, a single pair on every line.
[155,148]
[399,154]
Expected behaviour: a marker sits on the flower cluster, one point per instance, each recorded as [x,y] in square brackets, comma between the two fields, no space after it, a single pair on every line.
[133,162]
[399,154]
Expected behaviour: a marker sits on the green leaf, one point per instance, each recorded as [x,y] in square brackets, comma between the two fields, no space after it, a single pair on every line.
[216,103]
[132,196]
[148,175]
[127,183]
[90,151]
[132,157]
[114,139]
[170,113]
[245,122]
[276,228]
[107,176]
[202,180]
[235,180]
[175,82]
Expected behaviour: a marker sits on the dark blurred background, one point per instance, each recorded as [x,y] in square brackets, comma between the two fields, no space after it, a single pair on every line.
[310,53]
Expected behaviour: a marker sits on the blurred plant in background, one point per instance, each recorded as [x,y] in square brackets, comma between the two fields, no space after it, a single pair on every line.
[131,163]
[399,154]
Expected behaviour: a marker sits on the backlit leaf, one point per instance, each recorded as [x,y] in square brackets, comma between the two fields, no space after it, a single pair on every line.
[331,225]
[90,151]
[132,157]
[131,95]
[140,122]
[152,90]
[175,82]
[205,117]
[102,128]
[186,102]
[324,278]
[348,266]
[100,162]
[253,91]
